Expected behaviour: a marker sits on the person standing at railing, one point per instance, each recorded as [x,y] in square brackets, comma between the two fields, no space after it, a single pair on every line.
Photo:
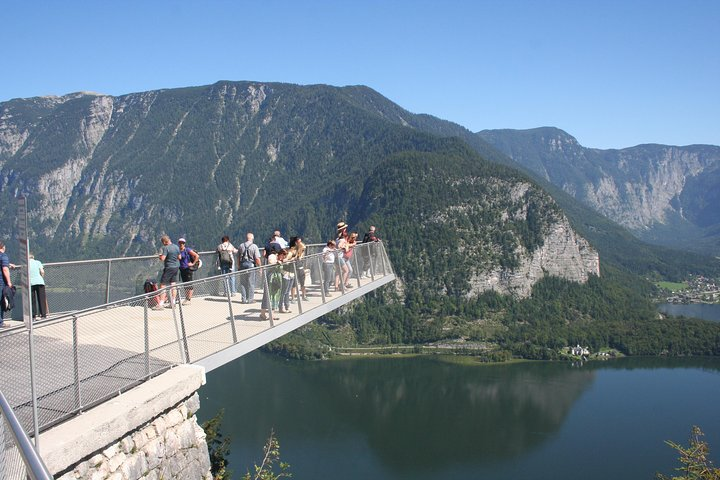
[328,258]
[188,260]
[343,273]
[170,256]
[249,256]
[370,237]
[5,265]
[351,243]
[272,287]
[286,257]
[297,249]
[279,239]
[37,287]
[226,260]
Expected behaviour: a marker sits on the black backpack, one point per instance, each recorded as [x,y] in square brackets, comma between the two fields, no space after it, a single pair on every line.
[226,258]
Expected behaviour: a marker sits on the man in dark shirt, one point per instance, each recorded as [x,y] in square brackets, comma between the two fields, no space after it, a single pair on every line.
[369,250]
[170,256]
[6,282]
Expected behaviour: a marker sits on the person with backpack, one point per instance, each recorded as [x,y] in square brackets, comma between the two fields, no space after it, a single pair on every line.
[249,256]
[226,260]
[271,294]
[188,260]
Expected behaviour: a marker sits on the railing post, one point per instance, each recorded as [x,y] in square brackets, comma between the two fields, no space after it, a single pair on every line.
[372,260]
[232,316]
[180,336]
[356,270]
[107,282]
[321,269]
[146,321]
[266,294]
[297,287]
[76,364]
[340,272]
[182,320]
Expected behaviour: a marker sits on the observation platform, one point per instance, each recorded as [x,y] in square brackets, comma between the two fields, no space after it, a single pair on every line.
[81,358]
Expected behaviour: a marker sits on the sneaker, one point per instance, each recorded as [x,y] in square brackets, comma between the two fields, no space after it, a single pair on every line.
[169,305]
[347,285]
[156,307]
[186,302]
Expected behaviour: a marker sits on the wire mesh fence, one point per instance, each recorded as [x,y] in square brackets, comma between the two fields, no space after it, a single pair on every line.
[12,466]
[82,284]
[86,356]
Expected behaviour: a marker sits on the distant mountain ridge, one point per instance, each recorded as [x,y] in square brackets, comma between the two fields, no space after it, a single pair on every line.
[666,195]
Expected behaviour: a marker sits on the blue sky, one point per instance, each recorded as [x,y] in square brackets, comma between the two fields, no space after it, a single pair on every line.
[611,73]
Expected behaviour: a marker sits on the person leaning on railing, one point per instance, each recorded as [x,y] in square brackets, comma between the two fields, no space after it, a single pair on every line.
[370,237]
[37,287]
[328,259]
[297,249]
[249,257]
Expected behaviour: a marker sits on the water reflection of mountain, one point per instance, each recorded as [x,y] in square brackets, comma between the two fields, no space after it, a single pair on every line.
[413,413]
[448,413]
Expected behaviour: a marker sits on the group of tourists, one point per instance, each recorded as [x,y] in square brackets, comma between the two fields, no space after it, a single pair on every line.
[285,274]
[285,271]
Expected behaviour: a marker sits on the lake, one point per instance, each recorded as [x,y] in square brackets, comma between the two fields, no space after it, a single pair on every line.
[424,418]
[698,310]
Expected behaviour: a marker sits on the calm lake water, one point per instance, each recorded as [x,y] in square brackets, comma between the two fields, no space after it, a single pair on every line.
[422,418]
[697,310]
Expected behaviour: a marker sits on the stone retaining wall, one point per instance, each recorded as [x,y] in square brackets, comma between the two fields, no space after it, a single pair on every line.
[147,433]
[171,446]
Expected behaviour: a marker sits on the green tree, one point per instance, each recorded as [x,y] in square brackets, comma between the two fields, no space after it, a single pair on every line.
[218,447]
[694,459]
[271,457]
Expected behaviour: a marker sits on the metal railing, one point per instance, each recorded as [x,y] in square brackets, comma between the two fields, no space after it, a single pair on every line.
[80,284]
[18,457]
[87,356]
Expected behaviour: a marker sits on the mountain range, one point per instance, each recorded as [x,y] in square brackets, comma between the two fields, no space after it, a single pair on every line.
[667,195]
[106,176]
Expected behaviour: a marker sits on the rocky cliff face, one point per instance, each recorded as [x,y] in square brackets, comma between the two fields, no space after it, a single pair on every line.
[563,254]
[659,192]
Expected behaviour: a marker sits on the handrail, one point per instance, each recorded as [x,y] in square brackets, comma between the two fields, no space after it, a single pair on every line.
[142,257]
[143,296]
[34,464]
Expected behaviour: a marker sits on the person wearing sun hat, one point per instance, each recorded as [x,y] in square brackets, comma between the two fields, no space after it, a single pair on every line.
[343,273]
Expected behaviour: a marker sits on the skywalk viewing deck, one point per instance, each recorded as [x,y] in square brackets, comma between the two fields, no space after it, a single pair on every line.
[82,358]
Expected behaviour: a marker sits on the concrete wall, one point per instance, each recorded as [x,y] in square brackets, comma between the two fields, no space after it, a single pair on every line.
[150,432]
